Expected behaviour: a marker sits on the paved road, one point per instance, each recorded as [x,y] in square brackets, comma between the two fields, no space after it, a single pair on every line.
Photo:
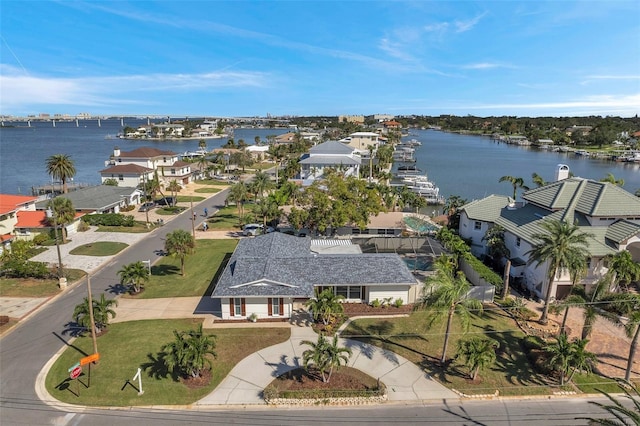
[26,349]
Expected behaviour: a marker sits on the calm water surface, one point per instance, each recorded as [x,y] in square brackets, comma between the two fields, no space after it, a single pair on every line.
[468,166]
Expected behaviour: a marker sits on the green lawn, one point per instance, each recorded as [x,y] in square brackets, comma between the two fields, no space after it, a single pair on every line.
[189,198]
[29,287]
[409,337]
[226,219]
[132,345]
[170,211]
[213,182]
[200,269]
[207,190]
[138,228]
[99,248]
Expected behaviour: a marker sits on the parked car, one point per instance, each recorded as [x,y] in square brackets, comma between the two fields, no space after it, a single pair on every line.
[146,207]
[167,201]
[252,229]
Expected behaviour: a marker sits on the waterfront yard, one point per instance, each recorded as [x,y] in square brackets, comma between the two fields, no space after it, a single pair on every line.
[201,269]
[125,347]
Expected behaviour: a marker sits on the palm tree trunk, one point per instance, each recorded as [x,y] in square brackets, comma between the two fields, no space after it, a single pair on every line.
[563,327]
[182,266]
[544,318]
[632,353]
[475,373]
[505,289]
[446,334]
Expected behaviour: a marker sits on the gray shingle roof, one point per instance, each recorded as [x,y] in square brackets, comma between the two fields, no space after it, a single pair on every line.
[282,265]
[100,197]
[331,147]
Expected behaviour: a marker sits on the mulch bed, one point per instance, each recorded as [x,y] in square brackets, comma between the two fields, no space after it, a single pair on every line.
[197,382]
[356,309]
[345,378]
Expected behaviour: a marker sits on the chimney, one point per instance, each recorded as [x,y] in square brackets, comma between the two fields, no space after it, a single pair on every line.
[562,172]
[116,151]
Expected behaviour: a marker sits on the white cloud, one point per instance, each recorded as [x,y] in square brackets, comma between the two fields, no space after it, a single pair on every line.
[437,28]
[486,66]
[17,89]
[463,26]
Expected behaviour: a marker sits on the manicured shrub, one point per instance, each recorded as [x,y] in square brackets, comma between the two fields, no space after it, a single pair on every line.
[41,239]
[398,303]
[109,219]
[376,303]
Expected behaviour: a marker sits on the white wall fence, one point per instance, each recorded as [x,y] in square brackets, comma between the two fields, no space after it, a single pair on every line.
[482,290]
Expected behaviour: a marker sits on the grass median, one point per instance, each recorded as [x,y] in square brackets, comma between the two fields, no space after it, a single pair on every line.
[132,345]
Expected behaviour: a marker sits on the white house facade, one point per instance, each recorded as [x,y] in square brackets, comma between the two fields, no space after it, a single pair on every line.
[328,155]
[607,212]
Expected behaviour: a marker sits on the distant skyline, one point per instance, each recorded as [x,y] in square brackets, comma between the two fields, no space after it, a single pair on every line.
[253,58]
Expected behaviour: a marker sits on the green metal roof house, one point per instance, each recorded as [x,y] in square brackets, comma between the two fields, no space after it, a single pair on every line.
[607,211]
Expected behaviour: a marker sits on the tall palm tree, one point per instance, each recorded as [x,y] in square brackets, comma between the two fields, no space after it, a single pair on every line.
[63,214]
[629,304]
[446,295]
[325,356]
[135,274]
[189,353]
[261,183]
[62,168]
[561,243]
[624,270]
[560,356]
[594,299]
[581,359]
[180,243]
[516,182]
[102,312]
[325,306]
[477,353]
[174,187]
[203,164]
[238,195]
[268,209]
[538,180]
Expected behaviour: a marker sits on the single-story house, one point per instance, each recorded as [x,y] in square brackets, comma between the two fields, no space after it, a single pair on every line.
[100,199]
[272,275]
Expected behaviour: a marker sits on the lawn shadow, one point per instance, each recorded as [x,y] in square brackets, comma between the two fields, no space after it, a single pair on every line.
[216,276]
[73,329]
[164,270]
[463,415]
[65,385]
[513,362]
[157,368]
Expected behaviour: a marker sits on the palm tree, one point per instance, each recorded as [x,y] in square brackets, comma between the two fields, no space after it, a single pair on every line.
[203,164]
[478,354]
[568,357]
[187,354]
[447,295]
[629,304]
[325,306]
[261,183]
[238,195]
[268,209]
[559,245]
[325,356]
[591,309]
[560,356]
[61,167]
[516,182]
[135,274]
[179,243]
[496,246]
[624,270]
[202,144]
[581,359]
[174,187]
[626,414]
[538,180]
[63,213]
[610,178]
[101,313]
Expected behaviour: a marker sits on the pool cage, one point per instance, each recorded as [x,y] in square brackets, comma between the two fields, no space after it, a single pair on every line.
[419,253]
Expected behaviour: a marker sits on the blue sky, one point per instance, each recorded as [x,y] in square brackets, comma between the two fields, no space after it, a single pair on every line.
[250,58]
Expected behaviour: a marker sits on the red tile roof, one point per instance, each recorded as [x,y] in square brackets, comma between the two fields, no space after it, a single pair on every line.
[146,152]
[126,168]
[5,237]
[37,219]
[10,203]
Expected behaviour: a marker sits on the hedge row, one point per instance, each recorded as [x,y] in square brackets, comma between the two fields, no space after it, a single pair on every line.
[109,219]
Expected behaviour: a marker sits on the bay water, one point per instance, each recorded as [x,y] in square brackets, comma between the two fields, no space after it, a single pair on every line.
[463,165]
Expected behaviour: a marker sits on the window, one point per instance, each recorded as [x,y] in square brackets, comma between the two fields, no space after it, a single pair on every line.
[173,171]
[355,292]
[518,241]
[477,225]
[342,291]
[275,306]
[120,177]
[237,306]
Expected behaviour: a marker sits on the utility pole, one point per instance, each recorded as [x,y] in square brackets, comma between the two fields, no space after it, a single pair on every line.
[93,323]
[193,222]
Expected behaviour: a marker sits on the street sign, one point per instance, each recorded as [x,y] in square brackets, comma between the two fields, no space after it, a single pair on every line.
[70,369]
[89,359]
[75,373]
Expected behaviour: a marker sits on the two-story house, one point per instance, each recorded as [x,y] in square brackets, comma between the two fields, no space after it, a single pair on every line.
[330,154]
[607,212]
[133,168]
[10,205]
